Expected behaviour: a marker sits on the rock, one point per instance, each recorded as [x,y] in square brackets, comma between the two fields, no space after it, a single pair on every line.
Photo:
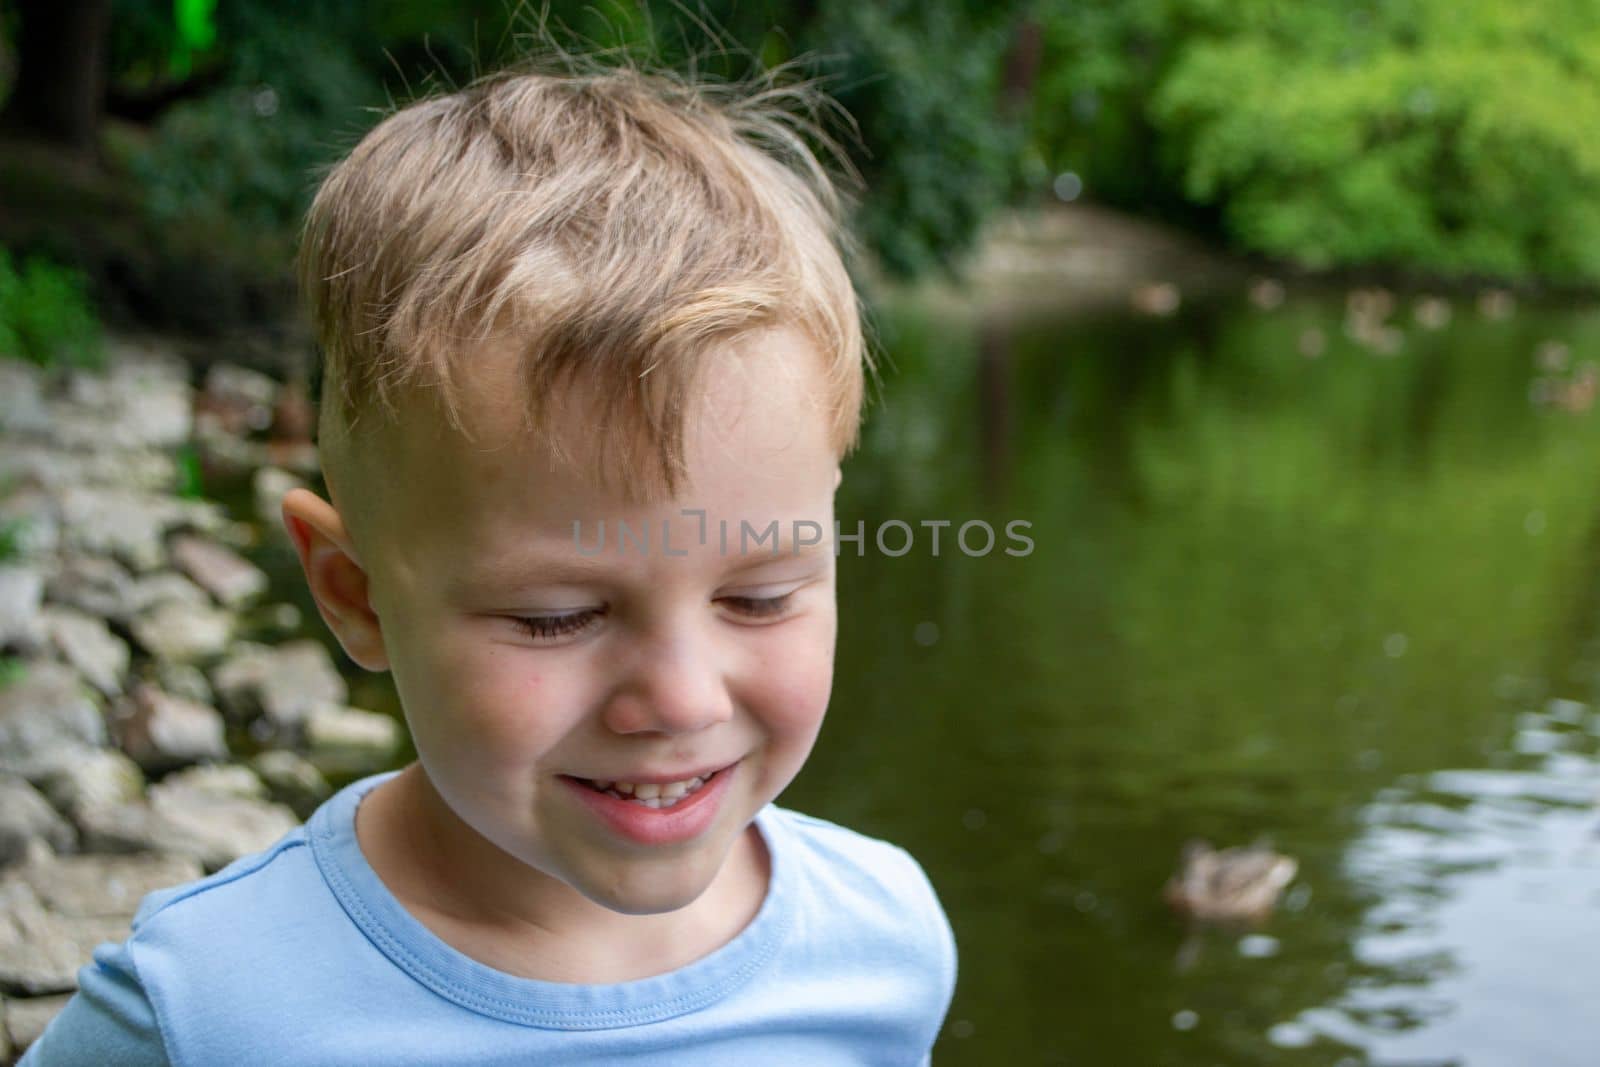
[82,781]
[160,587]
[292,780]
[95,585]
[106,887]
[27,1017]
[46,711]
[237,535]
[294,416]
[30,522]
[222,572]
[145,358]
[89,645]
[239,400]
[135,403]
[225,457]
[283,684]
[183,633]
[130,524]
[222,780]
[40,952]
[161,731]
[219,830]
[21,594]
[350,739]
[270,484]
[8,1050]
[208,819]
[53,468]
[23,411]
[298,457]
[269,623]
[26,816]
[183,680]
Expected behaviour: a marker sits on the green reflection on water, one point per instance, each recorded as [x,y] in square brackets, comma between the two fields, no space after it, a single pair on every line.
[1264,587]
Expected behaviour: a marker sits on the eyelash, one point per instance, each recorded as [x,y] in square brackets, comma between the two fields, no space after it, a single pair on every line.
[553,627]
[550,627]
[760,607]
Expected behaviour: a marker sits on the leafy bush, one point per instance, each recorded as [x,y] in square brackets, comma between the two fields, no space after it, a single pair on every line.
[45,315]
[300,83]
[1455,135]
[922,82]
[1448,135]
[243,157]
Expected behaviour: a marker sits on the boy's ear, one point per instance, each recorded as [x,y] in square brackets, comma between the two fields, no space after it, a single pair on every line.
[337,579]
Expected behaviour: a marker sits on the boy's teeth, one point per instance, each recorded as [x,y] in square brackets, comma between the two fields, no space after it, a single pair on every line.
[650,794]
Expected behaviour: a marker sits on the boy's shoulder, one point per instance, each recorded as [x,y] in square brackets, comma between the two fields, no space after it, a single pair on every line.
[188,900]
[194,955]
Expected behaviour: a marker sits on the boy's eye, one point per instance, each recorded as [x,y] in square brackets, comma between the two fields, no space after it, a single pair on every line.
[550,627]
[758,607]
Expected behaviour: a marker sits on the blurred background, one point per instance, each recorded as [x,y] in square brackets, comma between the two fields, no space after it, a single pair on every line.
[1276,321]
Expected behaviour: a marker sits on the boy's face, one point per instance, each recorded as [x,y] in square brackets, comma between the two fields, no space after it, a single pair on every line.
[641,665]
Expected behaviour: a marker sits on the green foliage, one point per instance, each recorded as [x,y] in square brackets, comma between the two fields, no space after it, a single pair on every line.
[1454,136]
[922,82]
[300,83]
[1449,135]
[12,670]
[244,156]
[190,478]
[45,315]
[10,533]
[1102,60]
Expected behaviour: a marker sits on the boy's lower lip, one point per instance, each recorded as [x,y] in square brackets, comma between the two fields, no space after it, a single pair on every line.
[688,818]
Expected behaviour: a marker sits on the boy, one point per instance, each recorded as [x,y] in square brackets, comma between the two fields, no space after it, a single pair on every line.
[588,343]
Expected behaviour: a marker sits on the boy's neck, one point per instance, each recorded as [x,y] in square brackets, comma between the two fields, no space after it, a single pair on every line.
[526,923]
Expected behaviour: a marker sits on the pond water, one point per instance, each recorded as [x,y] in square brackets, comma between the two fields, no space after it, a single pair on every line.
[1283,585]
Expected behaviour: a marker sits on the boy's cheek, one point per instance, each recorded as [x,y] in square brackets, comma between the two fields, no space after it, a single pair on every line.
[502,693]
[797,682]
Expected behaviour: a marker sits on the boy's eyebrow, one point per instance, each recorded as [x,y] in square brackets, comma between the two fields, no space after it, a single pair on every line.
[545,567]
[511,573]
[786,549]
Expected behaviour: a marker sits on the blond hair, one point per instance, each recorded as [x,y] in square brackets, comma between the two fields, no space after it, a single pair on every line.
[611,224]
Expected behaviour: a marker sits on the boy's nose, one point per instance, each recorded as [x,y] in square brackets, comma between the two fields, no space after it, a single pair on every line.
[673,685]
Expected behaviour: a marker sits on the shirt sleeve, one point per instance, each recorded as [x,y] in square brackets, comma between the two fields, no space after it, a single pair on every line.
[109,1021]
[941,939]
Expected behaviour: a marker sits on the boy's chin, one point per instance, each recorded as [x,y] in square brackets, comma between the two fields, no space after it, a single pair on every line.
[651,901]
[672,884]
[644,891]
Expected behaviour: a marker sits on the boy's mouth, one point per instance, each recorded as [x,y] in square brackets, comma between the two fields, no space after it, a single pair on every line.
[650,794]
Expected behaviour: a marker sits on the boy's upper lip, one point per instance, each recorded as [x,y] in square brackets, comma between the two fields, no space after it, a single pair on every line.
[653,778]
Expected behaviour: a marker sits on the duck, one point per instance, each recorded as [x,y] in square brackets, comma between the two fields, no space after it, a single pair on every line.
[1240,884]
[1156,298]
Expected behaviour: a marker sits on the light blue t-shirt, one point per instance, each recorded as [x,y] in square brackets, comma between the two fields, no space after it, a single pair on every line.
[300,955]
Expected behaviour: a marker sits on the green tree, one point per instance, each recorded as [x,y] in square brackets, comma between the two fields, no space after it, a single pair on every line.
[241,104]
[1447,136]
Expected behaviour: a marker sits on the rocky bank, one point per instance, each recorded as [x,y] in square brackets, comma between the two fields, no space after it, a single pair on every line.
[159,716]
